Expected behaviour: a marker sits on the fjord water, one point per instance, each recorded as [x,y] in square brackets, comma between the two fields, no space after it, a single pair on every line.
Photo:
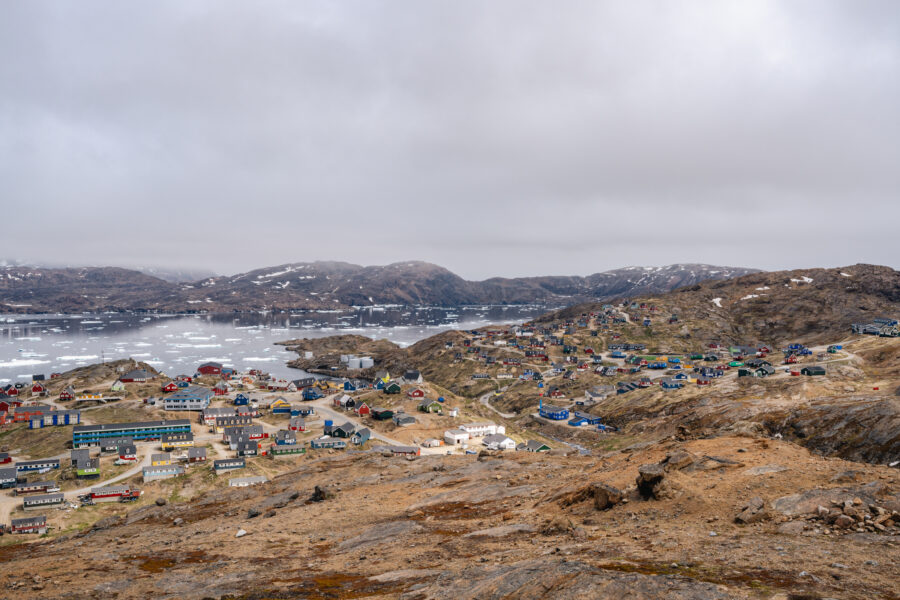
[176,344]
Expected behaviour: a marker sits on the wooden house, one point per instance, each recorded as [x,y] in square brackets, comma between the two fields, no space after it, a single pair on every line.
[136,376]
[195,455]
[430,406]
[361,436]
[210,368]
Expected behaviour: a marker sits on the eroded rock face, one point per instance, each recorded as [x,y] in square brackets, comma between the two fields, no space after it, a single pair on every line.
[540,579]
[809,501]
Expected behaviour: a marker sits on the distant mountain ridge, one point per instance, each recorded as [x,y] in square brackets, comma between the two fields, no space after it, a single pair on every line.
[322,285]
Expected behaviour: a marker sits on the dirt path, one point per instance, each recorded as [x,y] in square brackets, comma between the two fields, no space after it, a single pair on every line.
[485,401]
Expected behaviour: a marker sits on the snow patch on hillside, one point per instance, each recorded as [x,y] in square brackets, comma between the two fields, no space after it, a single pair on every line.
[717,302]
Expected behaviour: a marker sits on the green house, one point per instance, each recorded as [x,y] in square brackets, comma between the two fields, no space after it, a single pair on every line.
[88,469]
[392,388]
[430,406]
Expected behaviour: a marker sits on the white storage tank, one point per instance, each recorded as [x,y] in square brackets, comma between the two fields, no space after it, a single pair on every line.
[353,363]
[366,362]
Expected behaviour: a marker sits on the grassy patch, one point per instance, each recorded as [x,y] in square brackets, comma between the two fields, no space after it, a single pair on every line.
[36,443]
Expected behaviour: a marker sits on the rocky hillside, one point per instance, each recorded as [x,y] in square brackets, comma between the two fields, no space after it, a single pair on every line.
[732,517]
[322,285]
[812,305]
[37,290]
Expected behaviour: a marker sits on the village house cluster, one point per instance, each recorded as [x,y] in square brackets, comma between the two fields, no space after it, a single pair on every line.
[548,358]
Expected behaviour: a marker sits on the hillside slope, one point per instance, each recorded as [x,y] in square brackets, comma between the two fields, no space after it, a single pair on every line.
[777,307]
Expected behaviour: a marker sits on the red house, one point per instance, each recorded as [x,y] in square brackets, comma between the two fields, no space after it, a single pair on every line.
[220,389]
[11,390]
[363,409]
[7,406]
[170,387]
[24,413]
[186,378]
[55,375]
[210,368]
[67,394]
[136,376]
[108,493]
[416,393]
[246,411]
[38,390]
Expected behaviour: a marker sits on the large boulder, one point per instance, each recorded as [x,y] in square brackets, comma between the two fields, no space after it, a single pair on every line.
[678,460]
[606,496]
[650,480]
[753,511]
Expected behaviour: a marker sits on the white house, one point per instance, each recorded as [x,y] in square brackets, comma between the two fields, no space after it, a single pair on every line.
[192,398]
[482,429]
[246,481]
[455,437]
[498,441]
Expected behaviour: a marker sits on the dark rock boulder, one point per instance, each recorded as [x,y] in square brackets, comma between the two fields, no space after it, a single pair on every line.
[650,480]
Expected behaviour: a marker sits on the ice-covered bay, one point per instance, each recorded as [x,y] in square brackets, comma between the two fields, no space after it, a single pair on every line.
[177,343]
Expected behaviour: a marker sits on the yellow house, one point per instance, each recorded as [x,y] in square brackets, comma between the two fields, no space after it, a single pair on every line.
[279,403]
[160,460]
[180,442]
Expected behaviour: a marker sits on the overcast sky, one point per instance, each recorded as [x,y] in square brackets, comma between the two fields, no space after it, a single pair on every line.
[493,138]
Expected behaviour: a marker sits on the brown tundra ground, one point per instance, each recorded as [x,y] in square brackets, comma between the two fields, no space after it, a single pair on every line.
[516,525]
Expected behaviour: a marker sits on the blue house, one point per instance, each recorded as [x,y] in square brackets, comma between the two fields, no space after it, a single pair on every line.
[680,376]
[671,384]
[182,384]
[379,384]
[555,413]
[66,417]
[578,421]
[241,400]
[588,419]
[349,386]
[311,393]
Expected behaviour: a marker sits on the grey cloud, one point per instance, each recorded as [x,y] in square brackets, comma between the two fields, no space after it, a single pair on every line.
[494,138]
